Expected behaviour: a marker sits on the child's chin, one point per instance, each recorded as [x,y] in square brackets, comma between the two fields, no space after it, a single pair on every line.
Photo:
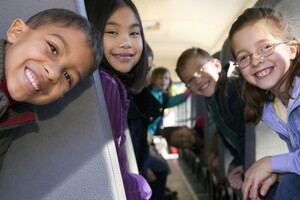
[37,101]
[208,93]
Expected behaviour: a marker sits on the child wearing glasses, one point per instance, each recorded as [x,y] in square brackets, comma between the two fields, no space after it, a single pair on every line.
[267,54]
[204,76]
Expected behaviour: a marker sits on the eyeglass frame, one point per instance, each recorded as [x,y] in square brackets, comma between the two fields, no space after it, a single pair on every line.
[250,56]
[198,73]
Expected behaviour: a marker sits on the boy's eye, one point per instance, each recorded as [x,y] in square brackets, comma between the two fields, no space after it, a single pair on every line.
[189,82]
[68,77]
[266,47]
[53,49]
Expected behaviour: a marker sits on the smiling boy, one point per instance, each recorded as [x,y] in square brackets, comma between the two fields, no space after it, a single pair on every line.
[41,60]
[204,76]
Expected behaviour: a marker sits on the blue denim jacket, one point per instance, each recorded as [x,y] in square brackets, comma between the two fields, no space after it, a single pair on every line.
[290,132]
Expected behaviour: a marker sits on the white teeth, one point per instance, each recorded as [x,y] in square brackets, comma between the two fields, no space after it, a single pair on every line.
[204,86]
[32,79]
[263,73]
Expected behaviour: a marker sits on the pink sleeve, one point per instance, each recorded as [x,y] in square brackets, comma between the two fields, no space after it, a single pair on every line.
[187,93]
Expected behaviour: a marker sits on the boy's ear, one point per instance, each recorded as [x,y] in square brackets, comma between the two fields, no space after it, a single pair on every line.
[217,64]
[293,49]
[15,31]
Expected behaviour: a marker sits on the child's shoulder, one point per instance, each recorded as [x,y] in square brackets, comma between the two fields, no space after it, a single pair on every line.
[112,84]
[105,74]
[108,78]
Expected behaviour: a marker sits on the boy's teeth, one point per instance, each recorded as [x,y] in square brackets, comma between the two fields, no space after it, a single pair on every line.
[32,79]
[204,86]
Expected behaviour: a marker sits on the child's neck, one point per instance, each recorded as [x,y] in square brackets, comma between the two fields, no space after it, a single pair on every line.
[157,89]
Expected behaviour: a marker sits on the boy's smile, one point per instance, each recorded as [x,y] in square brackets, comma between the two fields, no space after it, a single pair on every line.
[205,83]
[44,63]
[32,82]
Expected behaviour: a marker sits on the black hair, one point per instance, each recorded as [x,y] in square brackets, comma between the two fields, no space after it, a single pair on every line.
[99,11]
[167,132]
[150,51]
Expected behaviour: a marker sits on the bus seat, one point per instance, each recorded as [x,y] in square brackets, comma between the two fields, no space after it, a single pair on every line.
[128,149]
[225,158]
[70,152]
[262,141]
[225,54]
[209,130]
[288,8]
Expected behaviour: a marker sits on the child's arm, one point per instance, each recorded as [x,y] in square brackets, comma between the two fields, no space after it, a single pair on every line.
[265,169]
[178,99]
[260,172]
[288,162]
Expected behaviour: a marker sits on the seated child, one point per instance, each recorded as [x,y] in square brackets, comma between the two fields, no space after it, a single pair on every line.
[41,60]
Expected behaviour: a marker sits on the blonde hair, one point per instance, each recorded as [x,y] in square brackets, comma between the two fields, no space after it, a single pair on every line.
[160,71]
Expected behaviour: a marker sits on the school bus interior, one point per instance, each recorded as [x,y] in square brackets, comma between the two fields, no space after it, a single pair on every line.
[70,154]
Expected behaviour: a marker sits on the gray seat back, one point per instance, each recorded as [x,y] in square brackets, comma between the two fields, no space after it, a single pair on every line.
[128,149]
[70,153]
[262,141]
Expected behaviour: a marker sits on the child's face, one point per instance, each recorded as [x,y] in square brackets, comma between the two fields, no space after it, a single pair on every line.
[183,137]
[200,76]
[43,64]
[263,72]
[122,40]
[162,81]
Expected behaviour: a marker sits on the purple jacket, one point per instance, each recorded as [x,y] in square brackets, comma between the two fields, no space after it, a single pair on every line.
[136,187]
[290,132]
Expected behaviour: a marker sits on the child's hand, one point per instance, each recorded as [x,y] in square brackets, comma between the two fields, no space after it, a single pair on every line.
[235,178]
[256,176]
[267,184]
[213,162]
